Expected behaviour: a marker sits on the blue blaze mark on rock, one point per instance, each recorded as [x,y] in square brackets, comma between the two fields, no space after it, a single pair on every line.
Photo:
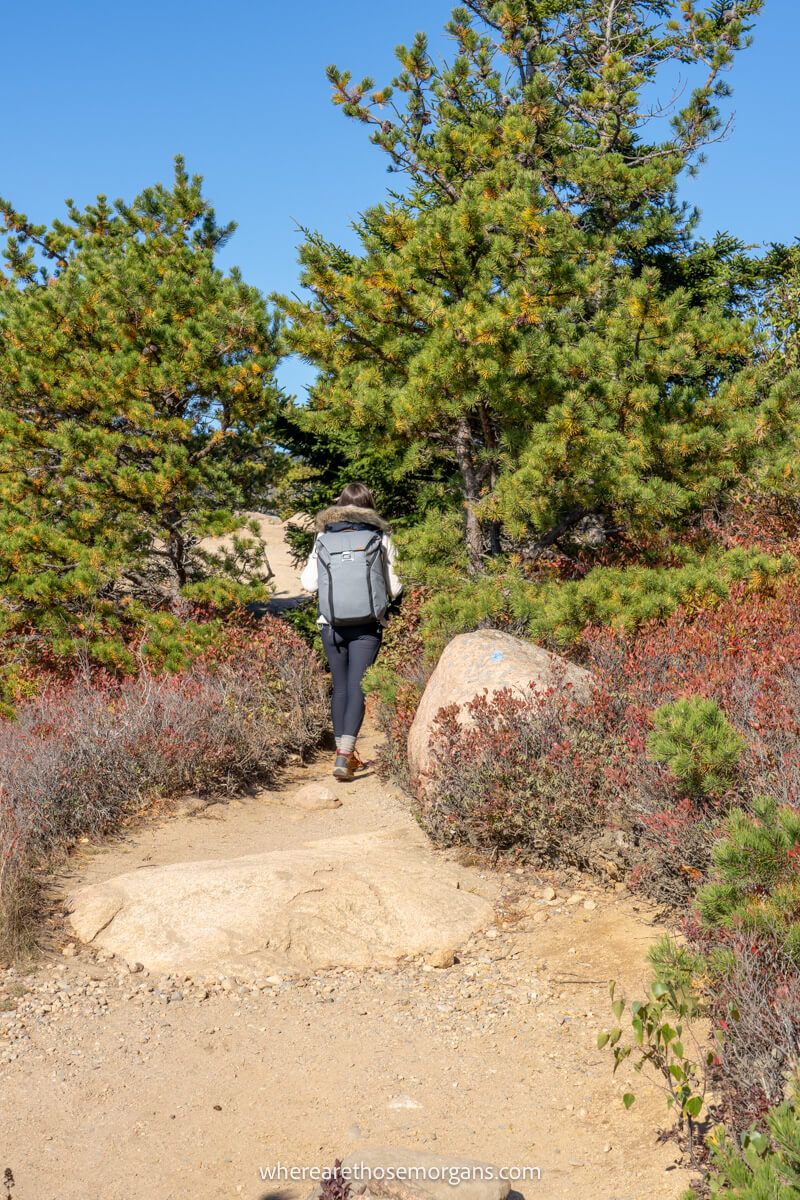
[497,656]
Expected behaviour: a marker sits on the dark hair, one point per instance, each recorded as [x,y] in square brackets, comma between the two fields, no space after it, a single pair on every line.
[359,495]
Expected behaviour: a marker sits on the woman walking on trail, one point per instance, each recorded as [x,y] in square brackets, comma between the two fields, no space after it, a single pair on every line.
[351,568]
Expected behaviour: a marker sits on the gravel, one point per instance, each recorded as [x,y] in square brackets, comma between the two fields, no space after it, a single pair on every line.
[474,992]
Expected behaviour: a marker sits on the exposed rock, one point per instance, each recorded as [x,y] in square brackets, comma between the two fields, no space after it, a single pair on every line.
[358,902]
[486,660]
[441,958]
[590,532]
[312,797]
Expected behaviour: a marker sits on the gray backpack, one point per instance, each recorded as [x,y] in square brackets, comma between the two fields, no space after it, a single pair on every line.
[351,576]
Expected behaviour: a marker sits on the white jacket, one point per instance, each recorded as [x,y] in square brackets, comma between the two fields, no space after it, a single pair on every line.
[359,516]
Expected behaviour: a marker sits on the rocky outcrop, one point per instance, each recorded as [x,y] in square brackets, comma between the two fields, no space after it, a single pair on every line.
[358,902]
[486,660]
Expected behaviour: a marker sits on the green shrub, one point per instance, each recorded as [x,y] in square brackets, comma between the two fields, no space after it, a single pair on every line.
[738,973]
[747,933]
[698,744]
[757,885]
[555,612]
[303,620]
[659,1029]
[765,1167]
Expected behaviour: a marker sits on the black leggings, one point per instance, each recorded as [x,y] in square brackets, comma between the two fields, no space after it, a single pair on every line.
[350,649]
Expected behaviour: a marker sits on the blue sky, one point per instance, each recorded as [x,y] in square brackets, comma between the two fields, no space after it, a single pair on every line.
[103,95]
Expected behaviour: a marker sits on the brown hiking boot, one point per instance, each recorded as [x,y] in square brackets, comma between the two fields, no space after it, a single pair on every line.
[341,769]
[355,763]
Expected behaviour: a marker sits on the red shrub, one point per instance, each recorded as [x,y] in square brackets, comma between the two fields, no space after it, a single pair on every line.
[751,990]
[745,655]
[86,752]
[523,772]
[529,775]
[771,524]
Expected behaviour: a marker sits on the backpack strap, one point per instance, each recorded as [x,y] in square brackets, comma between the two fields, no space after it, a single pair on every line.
[324,560]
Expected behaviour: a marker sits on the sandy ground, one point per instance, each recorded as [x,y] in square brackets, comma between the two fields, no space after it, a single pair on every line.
[123,1085]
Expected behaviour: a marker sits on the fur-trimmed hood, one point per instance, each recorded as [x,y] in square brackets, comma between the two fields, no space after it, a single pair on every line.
[350,513]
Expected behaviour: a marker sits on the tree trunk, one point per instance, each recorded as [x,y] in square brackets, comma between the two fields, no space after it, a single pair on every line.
[550,538]
[471,488]
[490,471]
[176,550]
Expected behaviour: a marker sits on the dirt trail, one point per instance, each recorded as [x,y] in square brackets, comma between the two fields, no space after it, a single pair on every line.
[125,1085]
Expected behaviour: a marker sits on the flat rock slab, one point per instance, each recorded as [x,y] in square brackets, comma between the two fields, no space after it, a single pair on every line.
[358,902]
[400,1174]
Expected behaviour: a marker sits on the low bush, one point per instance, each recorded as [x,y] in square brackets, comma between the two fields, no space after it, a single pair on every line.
[87,753]
[396,683]
[698,744]
[555,776]
[746,991]
[669,774]
[699,714]
[744,655]
[763,1165]
[756,884]
[753,991]
[737,664]
[555,611]
[735,978]
[525,772]
[747,938]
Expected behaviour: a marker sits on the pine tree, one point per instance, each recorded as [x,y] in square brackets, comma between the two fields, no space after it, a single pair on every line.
[136,383]
[697,742]
[530,315]
[777,470]
[765,1165]
[755,883]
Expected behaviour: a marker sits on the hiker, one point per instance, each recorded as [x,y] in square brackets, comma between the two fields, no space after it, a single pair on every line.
[351,568]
